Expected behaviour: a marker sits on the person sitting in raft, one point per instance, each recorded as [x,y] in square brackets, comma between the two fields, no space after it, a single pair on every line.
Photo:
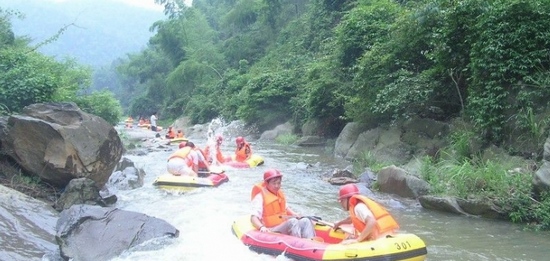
[170,133]
[179,134]
[243,151]
[270,212]
[219,155]
[199,161]
[181,162]
[370,220]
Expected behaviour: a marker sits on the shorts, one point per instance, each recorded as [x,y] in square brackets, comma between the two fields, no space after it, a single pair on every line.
[154,128]
[178,167]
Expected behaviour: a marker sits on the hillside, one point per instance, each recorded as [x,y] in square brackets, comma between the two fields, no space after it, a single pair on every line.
[103,29]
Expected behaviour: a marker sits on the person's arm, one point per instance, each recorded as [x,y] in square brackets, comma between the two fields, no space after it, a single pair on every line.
[341,222]
[369,227]
[257,210]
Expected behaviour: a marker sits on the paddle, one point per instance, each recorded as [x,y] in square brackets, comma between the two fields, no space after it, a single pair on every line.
[213,170]
[326,223]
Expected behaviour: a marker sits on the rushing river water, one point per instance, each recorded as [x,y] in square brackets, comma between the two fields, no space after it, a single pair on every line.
[204,215]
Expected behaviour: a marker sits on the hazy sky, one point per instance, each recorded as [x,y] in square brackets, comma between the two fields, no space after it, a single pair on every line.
[141,3]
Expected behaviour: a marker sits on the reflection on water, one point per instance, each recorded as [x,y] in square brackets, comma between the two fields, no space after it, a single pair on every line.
[204,215]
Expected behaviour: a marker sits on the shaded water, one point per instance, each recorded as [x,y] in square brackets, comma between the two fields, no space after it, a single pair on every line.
[204,215]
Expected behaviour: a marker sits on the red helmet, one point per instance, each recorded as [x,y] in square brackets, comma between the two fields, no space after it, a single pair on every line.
[182,144]
[271,173]
[239,140]
[347,191]
[219,138]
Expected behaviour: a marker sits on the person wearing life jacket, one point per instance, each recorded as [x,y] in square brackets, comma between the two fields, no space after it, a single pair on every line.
[179,134]
[170,133]
[181,162]
[199,162]
[243,151]
[270,212]
[370,220]
[219,155]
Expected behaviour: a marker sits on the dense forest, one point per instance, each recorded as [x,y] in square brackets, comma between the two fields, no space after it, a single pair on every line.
[369,61]
[271,61]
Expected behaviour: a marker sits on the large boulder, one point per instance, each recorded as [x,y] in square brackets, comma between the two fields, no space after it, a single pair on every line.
[59,142]
[86,232]
[397,181]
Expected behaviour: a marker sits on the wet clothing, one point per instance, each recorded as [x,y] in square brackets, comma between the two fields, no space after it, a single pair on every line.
[181,162]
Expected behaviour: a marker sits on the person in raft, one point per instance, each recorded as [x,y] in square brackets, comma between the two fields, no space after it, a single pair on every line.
[199,161]
[181,162]
[270,212]
[243,151]
[370,220]
[170,134]
[219,155]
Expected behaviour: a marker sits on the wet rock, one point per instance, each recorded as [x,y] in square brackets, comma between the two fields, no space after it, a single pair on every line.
[27,225]
[80,191]
[87,233]
[397,181]
[127,176]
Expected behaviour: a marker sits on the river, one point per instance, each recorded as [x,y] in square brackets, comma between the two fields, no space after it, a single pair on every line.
[204,215]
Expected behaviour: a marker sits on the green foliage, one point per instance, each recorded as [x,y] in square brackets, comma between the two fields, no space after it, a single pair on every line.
[466,178]
[268,98]
[102,104]
[363,27]
[511,44]
[367,159]
[26,78]
[286,139]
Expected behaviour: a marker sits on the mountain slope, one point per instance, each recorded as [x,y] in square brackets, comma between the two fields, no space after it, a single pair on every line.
[100,30]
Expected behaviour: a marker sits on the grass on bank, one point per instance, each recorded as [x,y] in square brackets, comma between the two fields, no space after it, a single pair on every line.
[13,177]
[286,139]
[507,186]
[459,171]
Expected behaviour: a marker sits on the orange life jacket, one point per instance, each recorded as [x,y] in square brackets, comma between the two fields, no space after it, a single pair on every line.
[219,156]
[171,134]
[385,223]
[274,206]
[182,153]
[243,153]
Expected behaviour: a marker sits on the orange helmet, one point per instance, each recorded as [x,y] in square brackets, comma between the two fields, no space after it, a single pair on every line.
[271,173]
[347,191]
[239,140]
[182,144]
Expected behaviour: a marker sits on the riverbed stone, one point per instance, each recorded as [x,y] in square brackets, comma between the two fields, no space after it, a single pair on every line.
[89,233]
[397,181]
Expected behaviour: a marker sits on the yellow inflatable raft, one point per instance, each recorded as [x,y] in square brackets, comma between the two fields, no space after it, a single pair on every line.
[400,246]
[254,161]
